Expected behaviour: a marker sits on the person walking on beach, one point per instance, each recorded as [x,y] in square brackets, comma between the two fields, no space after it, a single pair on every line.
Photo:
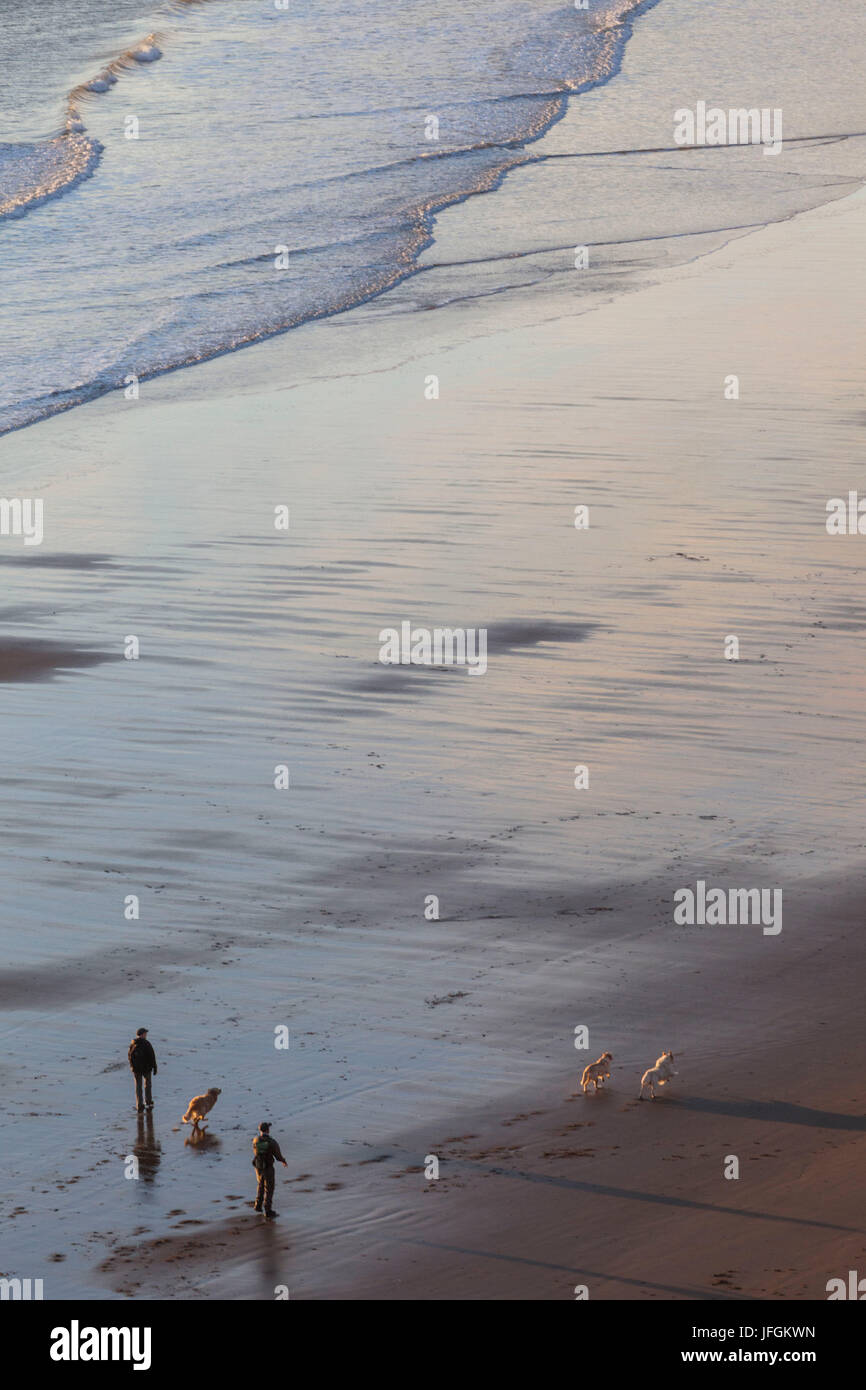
[142,1064]
[265,1150]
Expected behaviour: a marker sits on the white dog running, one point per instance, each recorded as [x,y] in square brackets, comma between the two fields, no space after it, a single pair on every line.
[661,1072]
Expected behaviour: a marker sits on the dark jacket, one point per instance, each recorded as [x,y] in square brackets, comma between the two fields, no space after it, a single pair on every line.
[142,1057]
[274,1152]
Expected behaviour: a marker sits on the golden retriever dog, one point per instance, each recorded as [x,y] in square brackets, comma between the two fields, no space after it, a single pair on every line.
[596,1072]
[199,1107]
[661,1073]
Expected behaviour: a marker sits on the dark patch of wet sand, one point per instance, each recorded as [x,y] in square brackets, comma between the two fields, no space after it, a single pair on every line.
[97,975]
[38,659]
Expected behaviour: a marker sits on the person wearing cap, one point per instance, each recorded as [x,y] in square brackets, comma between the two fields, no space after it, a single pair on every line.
[265,1150]
[142,1064]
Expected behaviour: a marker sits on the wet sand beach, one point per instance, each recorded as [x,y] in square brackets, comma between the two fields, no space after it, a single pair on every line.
[305,908]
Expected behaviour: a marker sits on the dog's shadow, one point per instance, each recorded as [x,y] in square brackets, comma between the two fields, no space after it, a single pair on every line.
[781,1112]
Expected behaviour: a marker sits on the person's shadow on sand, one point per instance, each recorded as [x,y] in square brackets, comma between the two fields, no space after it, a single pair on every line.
[782,1112]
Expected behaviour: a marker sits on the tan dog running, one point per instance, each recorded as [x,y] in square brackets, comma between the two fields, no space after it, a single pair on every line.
[199,1106]
[596,1072]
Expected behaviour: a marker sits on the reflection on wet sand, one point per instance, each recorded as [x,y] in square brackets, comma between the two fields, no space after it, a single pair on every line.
[272,1277]
[147,1148]
[201,1139]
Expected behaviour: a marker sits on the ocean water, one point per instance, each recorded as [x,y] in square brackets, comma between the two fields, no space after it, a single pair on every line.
[144,202]
[288,164]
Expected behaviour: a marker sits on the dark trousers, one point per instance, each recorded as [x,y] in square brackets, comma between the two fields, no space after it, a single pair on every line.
[142,1076]
[265,1188]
